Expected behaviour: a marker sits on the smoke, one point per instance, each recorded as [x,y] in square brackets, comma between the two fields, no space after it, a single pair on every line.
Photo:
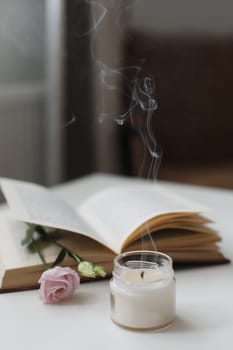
[129,83]
[138,90]
[71,121]
[96,12]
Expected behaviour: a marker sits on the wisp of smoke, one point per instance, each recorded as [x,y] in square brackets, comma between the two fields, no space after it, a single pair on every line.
[139,91]
[97,12]
[71,121]
[132,84]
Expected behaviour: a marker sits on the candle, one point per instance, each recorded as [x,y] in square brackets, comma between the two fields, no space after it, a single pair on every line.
[143,290]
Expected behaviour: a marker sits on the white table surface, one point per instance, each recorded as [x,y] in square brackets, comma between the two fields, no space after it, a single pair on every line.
[204,302]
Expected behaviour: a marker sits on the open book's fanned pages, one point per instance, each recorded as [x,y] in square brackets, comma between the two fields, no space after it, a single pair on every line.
[99,217]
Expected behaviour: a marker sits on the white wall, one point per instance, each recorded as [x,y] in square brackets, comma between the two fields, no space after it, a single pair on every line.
[183,16]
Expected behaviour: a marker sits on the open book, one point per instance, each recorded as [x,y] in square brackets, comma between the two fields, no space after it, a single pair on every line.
[98,217]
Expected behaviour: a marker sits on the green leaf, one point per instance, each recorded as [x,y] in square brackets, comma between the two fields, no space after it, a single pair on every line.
[41,231]
[29,234]
[60,257]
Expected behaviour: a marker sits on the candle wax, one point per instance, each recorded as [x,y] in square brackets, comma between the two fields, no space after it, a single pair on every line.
[143,298]
[142,275]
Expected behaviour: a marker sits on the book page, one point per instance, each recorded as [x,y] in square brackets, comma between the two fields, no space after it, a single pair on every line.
[35,204]
[12,253]
[116,212]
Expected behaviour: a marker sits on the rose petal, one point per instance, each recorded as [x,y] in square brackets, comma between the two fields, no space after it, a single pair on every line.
[57,284]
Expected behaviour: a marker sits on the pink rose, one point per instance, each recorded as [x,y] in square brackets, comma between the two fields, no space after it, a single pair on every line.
[57,284]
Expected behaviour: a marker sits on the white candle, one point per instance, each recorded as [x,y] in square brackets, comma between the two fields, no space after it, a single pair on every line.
[143,290]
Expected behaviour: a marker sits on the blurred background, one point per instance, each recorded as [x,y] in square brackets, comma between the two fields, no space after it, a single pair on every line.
[71,72]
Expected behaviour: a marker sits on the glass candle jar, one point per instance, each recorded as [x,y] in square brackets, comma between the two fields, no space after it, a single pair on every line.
[143,290]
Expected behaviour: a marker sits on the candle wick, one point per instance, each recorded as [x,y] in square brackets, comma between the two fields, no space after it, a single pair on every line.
[142,274]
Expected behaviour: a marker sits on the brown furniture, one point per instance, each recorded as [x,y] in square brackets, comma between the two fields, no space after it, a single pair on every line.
[194,120]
